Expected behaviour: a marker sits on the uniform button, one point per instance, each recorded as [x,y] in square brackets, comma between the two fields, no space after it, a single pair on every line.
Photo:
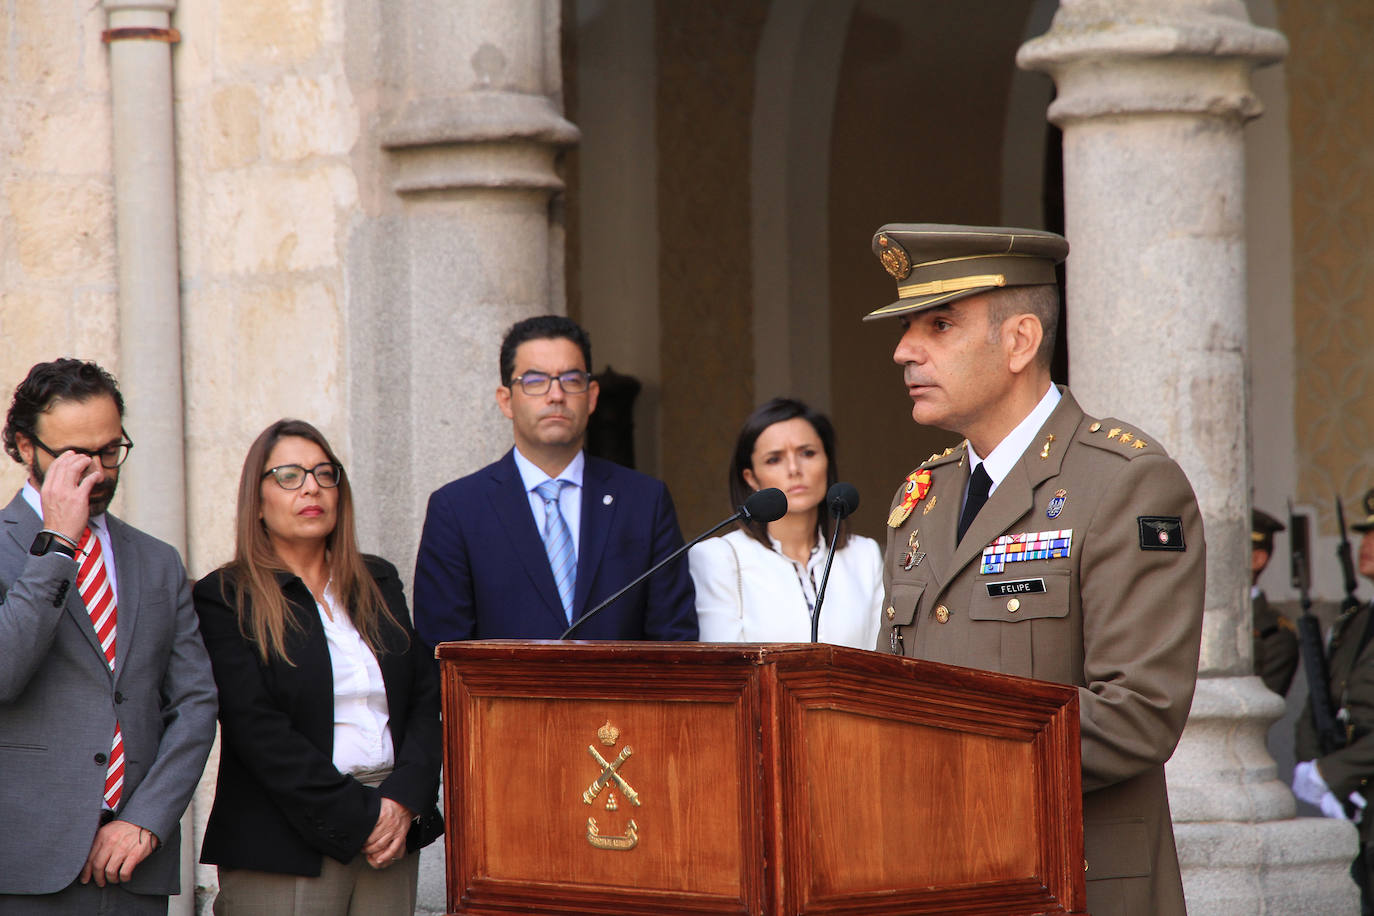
[942,614]
[119,697]
[100,758]
[890,612]
[1014,605]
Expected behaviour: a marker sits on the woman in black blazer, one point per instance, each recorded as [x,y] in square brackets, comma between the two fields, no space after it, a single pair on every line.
[329,704]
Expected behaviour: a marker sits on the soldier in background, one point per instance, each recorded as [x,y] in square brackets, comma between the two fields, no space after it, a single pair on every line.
[1337,781]
[1276,637]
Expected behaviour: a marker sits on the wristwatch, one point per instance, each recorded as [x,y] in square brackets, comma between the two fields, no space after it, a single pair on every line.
[48,541]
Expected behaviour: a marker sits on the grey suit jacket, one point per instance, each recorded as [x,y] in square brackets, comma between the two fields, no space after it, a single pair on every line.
[59,700]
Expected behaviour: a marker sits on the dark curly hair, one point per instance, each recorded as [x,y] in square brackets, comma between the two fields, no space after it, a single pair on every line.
[48,383]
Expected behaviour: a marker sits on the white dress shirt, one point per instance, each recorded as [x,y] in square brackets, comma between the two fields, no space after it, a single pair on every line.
[747,592]
[569,499]
[362,723]
[99,529]
[1009,451]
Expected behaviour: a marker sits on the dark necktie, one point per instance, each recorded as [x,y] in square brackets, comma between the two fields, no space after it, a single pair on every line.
[978,485]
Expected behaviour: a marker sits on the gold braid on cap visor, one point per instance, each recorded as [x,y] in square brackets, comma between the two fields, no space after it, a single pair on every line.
[952,285]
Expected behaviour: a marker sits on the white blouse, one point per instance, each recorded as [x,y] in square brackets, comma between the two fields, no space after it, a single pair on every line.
[749,593]
[362,732]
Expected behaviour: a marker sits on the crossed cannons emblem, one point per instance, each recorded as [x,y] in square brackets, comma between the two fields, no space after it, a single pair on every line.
[610,772]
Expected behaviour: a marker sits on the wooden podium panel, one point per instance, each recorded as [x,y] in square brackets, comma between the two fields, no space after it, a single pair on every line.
[656,779]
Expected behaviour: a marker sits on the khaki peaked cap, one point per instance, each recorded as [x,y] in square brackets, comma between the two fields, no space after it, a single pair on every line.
[1263,527]
[935,264]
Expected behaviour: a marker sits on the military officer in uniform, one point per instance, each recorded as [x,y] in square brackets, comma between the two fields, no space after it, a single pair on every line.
[1048,544]
[1276,637]
[1338,782]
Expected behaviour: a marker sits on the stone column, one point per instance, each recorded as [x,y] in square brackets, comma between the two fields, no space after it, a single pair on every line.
[459,242]
[140,38]
[1152,99]
[460,236]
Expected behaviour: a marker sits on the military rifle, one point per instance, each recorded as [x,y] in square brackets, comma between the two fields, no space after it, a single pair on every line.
[1310,646]
[1350,602]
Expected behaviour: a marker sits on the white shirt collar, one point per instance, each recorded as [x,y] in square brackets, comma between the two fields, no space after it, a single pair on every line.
[531,476]
[1009,451]
[35,501]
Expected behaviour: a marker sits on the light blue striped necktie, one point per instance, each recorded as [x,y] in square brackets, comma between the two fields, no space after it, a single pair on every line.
[558,543]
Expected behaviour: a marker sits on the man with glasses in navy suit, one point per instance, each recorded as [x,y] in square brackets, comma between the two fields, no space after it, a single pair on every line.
[524,547]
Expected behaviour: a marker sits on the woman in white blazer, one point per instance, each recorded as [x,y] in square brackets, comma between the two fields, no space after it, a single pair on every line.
[758,583]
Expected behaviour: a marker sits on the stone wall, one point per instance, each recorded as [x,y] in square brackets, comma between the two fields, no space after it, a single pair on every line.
[1331,113]
[265,125]
[57,275]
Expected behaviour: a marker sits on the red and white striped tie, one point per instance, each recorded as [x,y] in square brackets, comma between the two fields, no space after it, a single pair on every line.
[94,587]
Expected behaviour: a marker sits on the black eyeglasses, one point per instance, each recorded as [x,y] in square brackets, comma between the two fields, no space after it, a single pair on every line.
[111,456]
[292,476]
[573,381]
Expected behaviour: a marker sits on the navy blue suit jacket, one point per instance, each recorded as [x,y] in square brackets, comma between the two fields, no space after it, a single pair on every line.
[482,572]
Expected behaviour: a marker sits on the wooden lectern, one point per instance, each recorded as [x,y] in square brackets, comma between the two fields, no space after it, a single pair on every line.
[665,779]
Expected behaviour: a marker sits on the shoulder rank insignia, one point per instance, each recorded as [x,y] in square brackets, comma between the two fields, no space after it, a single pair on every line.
[917,485]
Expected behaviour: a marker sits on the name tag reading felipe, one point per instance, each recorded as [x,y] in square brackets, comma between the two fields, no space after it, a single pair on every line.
[1015,587]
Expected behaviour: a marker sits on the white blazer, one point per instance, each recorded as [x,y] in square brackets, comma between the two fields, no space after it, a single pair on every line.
[749,593]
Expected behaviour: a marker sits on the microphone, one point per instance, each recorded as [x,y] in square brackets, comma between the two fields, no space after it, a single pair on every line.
[762,506]
[841,499]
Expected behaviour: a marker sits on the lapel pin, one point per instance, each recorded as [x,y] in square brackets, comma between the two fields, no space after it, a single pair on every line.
[1045,450]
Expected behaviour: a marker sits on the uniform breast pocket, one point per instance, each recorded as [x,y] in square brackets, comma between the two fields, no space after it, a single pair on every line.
[1025,620]
[904,600]
[899,612]
[1035,595]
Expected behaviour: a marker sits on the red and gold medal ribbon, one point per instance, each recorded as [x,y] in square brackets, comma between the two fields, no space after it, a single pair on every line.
[917,485]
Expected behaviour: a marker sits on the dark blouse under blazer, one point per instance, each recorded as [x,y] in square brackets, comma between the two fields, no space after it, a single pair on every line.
[280,804]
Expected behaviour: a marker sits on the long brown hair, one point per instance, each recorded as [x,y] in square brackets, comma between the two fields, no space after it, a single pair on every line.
[255,564]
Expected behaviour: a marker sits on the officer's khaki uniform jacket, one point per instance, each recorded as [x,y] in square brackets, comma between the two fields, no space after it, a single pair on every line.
[1275,645]
[1120,617]
[1352,688]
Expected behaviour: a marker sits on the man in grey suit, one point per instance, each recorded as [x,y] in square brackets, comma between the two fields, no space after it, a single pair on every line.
[107,702]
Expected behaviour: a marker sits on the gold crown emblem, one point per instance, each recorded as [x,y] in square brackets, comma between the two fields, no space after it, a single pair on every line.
[608,734]
[894,257]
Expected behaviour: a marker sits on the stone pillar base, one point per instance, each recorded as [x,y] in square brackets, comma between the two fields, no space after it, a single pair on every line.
[1300,865]
[1240,849]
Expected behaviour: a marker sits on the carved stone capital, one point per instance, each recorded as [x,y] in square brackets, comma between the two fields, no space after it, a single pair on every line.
[1118,57]
[481,139]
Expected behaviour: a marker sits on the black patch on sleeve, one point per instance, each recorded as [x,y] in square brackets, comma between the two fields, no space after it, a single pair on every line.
[1161,532]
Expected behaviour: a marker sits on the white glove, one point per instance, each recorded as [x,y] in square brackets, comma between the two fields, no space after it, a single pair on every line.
[1308,784]
[1331,807]
[1359,802]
